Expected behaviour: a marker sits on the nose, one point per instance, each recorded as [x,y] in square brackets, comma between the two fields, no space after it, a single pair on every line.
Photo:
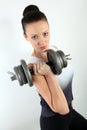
[40,40]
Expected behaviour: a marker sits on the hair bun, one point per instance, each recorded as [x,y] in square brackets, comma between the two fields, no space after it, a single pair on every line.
[30,9]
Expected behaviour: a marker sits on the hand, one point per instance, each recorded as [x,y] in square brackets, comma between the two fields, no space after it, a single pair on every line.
[41,68]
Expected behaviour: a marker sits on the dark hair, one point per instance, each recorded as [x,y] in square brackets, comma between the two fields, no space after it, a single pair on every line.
[31,14]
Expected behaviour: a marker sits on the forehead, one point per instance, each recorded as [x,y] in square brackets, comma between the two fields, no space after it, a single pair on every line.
[37,27]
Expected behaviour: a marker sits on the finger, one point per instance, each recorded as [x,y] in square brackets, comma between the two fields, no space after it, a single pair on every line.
[30,65]
[35,69]
[44,55]
[38,66]
[42,65]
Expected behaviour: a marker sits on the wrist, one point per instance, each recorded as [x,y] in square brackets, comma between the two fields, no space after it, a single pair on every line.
[50,73]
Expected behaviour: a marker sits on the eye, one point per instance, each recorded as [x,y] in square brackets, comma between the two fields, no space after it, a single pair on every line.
[34,37]
[45,34]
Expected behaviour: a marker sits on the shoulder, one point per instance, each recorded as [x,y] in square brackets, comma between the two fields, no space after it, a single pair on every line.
[57,47]
[33,59]
[54,47]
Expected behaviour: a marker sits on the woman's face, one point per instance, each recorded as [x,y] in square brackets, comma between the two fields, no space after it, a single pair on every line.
[38,34]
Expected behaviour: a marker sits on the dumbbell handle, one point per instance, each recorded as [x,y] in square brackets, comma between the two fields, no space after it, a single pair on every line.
[13,77]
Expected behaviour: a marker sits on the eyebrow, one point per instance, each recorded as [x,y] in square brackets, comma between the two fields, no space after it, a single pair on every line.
[43,32]
[33,34]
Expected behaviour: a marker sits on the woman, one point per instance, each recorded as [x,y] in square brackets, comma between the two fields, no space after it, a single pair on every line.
[55,91]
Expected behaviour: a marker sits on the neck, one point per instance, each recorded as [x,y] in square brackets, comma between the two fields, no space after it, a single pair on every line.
[42,55]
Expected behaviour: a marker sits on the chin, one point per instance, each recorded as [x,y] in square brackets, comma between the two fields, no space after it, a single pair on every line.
[44,50]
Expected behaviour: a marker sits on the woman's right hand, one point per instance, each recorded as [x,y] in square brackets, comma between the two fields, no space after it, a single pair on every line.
[40,68]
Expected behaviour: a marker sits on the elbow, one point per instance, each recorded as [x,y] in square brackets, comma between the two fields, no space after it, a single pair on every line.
[61,109]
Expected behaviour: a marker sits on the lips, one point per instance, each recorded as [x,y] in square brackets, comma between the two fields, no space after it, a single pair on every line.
[43,47]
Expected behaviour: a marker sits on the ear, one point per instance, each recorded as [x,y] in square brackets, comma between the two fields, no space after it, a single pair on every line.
[26,37]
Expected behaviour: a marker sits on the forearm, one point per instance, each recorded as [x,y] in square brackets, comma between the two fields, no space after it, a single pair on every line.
[42,87]
[49,88]
[58,99]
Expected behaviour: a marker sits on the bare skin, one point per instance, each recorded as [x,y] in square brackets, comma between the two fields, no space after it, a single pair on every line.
[49,88]
[38,34]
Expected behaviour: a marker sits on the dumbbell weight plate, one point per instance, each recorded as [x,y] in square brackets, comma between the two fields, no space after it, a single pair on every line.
[27,73]
[63,57]
[60,59]
[19,74]
[54,62]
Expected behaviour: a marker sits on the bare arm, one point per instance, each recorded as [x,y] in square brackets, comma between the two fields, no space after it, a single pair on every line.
[42,87]
[49,88]
[59,102]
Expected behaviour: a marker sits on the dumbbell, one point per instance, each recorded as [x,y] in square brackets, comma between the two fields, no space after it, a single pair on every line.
[63,58]
[56,61]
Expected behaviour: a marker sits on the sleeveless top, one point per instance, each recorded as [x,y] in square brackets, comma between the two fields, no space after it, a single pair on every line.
[65,81]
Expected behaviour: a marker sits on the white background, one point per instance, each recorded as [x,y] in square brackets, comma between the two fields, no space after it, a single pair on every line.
[19,106]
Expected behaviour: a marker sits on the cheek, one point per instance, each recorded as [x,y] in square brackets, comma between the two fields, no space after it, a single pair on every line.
[34,44]
[48,40]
